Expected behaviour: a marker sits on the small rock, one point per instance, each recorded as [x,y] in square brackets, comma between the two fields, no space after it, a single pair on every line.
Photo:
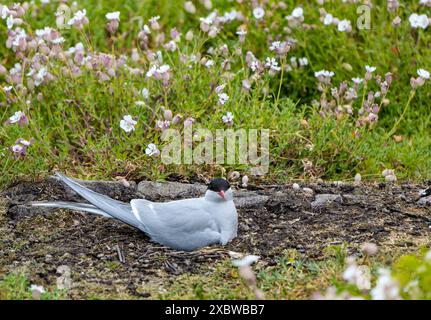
[388,172]
[390,178]
[244,181]
[358,179]
[425,200]
[322,200]
[234,175]
[157,190]
[249,199]
[308,191]
[296,186]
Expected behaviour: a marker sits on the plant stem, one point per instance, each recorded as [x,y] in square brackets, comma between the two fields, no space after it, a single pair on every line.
[281,82]
[394,128]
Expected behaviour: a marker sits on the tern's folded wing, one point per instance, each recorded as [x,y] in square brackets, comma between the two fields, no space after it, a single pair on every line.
[185,215]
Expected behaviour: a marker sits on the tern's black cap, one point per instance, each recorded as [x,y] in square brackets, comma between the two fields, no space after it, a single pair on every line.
[218,184]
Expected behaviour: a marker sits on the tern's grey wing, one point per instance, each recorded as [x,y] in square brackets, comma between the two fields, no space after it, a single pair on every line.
[183,224]
[116,209]
[84,207]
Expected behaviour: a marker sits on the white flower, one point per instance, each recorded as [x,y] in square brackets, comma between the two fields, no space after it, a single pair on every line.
[229,16]
[419,21]
[140,103]
[329,18]
[223,98]
[40,76]
[151,71]
[370,69]
[127,123]
[246,261]
[146,29]
[4,12]
[241,32]
[324,73]
[368,247]
[18,148]
[258,13]
[154,19]
[344,25]
[78,47]
[228,118]
[158,71]
[163,69]
[275,45]
[113,15]
[24,142]
[7,88]
[79,15]
[423,74]
[220,88]
[16,117]
[386,287]
[272,64]
[357,275]
[9,22]
[298,13]
[303,61]
[152,150]
[209,63]
[357,80]
[58,40]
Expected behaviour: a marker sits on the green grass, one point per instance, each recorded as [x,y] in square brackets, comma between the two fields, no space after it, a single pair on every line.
[293,276]
[75,120]
[15,286]
[297,277]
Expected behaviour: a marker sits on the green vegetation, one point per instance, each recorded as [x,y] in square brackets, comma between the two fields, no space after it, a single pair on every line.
[74,114]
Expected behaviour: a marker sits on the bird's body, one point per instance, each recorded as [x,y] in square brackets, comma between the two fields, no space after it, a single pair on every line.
[184,224]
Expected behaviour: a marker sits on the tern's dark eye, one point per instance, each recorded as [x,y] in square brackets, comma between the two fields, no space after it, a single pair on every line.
[218,185]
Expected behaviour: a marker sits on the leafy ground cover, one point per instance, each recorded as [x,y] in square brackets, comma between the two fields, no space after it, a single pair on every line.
[167,64]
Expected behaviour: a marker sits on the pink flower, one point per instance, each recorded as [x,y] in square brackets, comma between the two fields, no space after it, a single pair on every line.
[19,149]
[188,122]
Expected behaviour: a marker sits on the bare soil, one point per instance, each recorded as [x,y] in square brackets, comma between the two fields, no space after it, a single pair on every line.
[103,253]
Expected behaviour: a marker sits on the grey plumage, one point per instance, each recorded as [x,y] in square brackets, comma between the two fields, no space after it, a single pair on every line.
[184,224]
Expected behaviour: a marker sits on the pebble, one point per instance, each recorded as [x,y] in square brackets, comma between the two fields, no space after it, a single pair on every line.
[323,199]
[358,179]
[308,191]
[425,200]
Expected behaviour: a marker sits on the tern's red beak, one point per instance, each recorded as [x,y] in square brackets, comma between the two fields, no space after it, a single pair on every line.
[221,194]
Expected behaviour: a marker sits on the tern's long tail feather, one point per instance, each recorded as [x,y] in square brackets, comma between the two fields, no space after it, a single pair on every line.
[72,206]
[116,209]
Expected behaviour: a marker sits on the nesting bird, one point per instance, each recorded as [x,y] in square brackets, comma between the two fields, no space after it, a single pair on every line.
[186,224]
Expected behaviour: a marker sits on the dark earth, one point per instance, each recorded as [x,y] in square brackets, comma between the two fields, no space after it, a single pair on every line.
[101,251]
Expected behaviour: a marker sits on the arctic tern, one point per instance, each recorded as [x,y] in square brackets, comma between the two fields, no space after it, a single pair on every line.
[186,224]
